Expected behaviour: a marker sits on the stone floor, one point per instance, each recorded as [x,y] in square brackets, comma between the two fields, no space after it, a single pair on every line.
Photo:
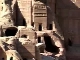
[73,53]
[47,58]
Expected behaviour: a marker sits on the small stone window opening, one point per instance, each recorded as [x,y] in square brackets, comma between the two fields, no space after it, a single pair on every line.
[69,42]
[50,26]
[24,22]
[39,39]
[24,59]
[2,8]
[24,36]
[33,24]
[50,47]
[11,31]
[40,27]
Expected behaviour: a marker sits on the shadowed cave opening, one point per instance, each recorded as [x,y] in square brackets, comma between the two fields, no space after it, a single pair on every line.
[11,31]
[69,42]
[3,59]
[25,59]
[40,27]
[39,39]
[24,36]
[11,58]
[49,46]
[50,27]
[24,22]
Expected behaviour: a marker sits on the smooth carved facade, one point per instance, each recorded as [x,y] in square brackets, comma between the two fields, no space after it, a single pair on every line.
[32,29]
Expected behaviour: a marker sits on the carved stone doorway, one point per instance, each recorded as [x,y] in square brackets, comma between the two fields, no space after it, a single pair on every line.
[49,46]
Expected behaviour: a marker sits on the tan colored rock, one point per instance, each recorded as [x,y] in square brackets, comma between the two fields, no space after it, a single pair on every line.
[14,54]
[9,48]
[6,13]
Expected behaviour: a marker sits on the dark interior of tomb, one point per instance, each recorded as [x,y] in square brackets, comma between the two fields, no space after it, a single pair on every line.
[40,27]
[49,46]
[33,24]
[11,31]
[3,59]
[24,22]
[24,36]
[69,42]
[39,39]
[24,59]
[50,27]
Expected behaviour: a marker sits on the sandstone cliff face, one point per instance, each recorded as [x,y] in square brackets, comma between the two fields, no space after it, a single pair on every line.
[6,13]
[26,26]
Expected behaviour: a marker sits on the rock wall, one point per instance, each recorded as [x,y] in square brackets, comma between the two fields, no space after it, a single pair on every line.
[68,12]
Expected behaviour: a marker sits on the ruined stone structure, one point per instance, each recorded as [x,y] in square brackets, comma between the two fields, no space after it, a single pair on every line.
[32,29]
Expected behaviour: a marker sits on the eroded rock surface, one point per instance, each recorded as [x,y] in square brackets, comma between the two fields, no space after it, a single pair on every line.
[9,48]
[6,13]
